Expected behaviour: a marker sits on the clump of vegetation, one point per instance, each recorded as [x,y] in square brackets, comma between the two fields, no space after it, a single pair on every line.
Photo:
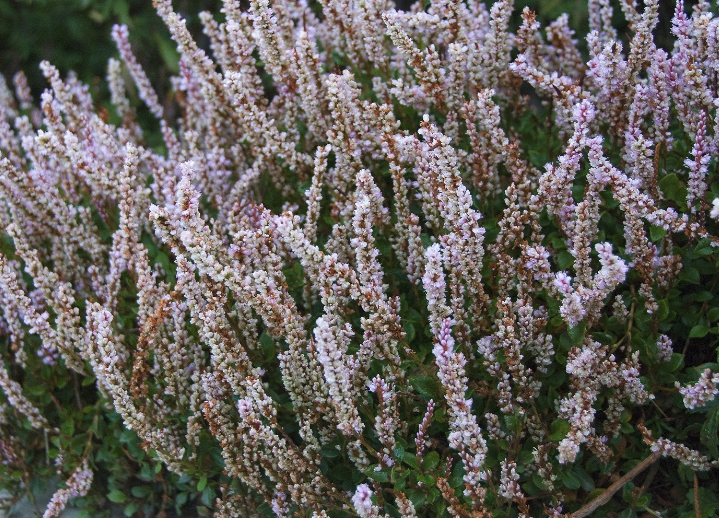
[384,263]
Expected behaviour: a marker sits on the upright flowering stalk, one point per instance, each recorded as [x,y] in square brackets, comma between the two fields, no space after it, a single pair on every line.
[58,296]
[659,96]
[332,339]
[387,420]
[310,84]
[435,287]
[465,434]
[271,45]
[555,184]
[122,39]
[489,142]
[16,399]
[108,362]
[300,480]
[442,190]
[638,152]
[636,206]
[490,61]
[407,243]
[592,367]
[600,19]
[381,327]
[698,166]
[585,299]
[76,486]
[427,65]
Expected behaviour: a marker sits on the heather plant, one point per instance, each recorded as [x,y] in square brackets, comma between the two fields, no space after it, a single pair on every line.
[386,264]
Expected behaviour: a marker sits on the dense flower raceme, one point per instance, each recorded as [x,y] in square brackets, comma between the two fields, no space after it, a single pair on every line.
[357,279]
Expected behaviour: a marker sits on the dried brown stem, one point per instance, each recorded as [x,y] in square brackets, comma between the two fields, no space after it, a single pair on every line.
[609,492]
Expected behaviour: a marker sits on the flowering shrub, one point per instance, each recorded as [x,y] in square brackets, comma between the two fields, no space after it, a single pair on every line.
[387,263]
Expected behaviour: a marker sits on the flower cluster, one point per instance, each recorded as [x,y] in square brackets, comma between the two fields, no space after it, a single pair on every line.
[77,485]
[701,392]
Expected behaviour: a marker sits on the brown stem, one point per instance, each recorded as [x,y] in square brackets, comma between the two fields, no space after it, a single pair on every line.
[76,385]
[609,492]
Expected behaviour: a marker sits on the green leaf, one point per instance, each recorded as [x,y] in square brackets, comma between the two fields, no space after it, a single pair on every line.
[675,363]
[710,431]
[410,459]
[526,458]
[416,496]
[577,332]
[36,390]
[628,492]
[663,310]
[338,58]
[427,480]
[570,480]
[398,477]
[68,427]
[456,479]
[376,473]
[584,478]
[537,481]
[704,248]
[146,473]
[329,452]
[131,509]
[559,429]
[426,386]
[208,496]
[339,473]
[565,260]
[689,274]
[674,189]
[430,461]
[295,276]
[514,423]
[656,233]
[202,483]
[169,54]
[713,314]
[141,491]
[642,501]
[432,497]
[181,499]
[117,496]
[703,296]
[698,331]
[409,331]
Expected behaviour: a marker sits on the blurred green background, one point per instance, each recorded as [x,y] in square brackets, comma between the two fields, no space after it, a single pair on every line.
[75,34]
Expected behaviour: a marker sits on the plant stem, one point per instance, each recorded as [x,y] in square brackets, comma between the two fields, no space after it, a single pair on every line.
[609,492]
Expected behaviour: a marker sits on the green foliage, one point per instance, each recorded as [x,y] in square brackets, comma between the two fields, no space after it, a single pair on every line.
[74,35]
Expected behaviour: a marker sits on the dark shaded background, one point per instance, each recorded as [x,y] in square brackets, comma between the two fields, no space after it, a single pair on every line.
[75,34]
